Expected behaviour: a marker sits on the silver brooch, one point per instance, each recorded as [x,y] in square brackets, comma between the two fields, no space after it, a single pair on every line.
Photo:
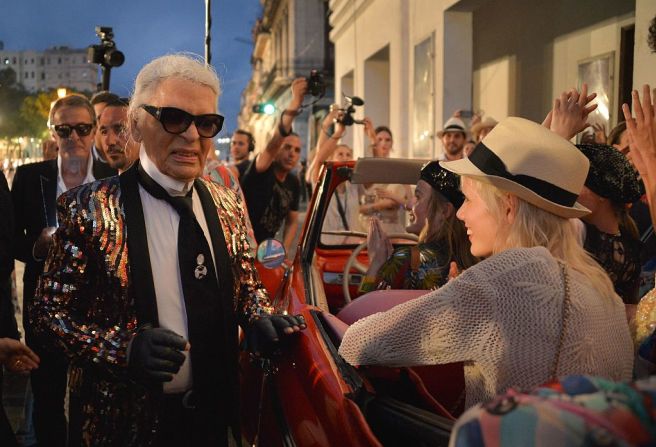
[201,271]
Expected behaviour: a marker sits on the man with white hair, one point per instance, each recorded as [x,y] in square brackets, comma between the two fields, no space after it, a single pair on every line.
[149,276]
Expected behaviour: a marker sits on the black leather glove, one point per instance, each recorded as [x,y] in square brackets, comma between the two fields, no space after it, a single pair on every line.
[155,354]
[265,332]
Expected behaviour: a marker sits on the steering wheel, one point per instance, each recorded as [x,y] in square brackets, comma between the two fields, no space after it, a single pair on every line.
[352,262]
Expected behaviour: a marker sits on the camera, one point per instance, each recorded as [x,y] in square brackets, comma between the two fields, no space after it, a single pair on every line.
[350,102]
[316,85]
[106,53]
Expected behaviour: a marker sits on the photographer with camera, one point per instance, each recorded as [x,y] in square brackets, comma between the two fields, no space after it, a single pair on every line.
[343,211]
[272,195]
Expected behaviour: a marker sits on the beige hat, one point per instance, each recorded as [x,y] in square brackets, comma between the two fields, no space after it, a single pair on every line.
[453,125]
[528,160]
[488,122]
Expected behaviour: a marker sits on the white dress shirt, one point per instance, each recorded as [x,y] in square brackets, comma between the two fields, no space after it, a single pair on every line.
[162,222]
[61,186]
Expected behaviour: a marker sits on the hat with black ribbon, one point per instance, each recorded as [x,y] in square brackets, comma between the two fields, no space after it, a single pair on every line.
[611,175]
[531,162]
[443,181]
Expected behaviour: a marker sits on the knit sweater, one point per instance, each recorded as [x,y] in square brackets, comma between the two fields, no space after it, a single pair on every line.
[503,319]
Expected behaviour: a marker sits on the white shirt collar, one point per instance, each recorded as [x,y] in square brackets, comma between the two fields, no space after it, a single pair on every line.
[172,186]
[88,179]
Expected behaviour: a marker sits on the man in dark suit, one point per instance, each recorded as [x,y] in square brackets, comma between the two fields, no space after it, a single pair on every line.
[34,192]
[149,276]
[101,161]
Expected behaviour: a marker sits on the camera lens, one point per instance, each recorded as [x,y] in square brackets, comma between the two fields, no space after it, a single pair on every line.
[114,58]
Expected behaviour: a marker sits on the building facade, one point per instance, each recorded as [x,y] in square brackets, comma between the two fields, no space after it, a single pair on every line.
[50,69]
[416,62]
[290,39]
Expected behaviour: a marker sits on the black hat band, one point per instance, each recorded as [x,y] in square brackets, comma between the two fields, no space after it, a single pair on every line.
[490,163]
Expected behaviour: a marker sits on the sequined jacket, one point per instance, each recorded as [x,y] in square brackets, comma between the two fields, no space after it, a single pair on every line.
[97,289]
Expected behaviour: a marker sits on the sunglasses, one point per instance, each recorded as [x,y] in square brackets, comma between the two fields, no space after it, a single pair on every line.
[65,130]
[177,121]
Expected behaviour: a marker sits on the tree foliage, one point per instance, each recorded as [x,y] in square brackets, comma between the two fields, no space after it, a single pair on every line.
[34,112]
[12,95]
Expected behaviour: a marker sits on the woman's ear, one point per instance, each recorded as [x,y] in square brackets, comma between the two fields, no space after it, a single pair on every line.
[510,208]
[448,210]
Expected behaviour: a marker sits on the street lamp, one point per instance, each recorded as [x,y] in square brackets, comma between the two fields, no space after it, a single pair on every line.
[61,92]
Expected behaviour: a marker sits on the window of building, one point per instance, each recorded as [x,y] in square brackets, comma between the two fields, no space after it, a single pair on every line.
[59,60]
[32,61]
[423,100]
[41,61]
[25,75]
[32,75]
[43,76]
[13,60]
[6,61]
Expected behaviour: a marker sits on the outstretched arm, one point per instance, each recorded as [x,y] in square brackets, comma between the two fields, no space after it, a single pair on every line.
[325,144]
[264,159]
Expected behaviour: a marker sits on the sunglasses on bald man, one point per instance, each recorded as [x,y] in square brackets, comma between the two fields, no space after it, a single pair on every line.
[65,130]
[177,121]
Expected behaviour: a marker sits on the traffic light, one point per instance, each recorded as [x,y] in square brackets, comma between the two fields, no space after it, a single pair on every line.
[264,107]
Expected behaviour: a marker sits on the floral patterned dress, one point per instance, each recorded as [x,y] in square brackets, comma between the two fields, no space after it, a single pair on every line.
[432,269]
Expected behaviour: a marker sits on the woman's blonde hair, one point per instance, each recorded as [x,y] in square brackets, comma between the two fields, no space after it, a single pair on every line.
[535,227]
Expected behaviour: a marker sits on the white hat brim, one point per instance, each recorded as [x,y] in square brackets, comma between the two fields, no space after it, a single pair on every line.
[466,168]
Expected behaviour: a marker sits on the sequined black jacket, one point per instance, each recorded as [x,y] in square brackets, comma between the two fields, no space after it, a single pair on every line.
[97,289]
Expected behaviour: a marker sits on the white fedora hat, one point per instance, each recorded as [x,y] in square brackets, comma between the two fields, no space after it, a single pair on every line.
[531,162]
[453,124]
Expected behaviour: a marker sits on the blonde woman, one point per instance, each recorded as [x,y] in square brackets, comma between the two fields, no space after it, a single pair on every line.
[538,306]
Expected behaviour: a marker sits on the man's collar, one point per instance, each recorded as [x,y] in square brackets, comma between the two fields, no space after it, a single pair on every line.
[89,177]
[172,186]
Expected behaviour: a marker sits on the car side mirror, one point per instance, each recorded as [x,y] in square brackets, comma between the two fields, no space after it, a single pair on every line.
[271,253]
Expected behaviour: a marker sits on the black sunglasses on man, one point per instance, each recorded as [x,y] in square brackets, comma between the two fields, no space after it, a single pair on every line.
[65,130]
[177,121]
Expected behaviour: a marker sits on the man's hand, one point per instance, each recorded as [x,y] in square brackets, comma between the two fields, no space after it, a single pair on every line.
[334,118]
[42,244]
[156,354]
[299,89]
[569,115]
[17,357]
[264,335]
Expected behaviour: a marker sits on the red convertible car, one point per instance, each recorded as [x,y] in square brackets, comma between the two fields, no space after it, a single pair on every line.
[307,395]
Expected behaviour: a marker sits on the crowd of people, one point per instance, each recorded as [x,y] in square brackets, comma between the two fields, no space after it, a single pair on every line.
[534,252]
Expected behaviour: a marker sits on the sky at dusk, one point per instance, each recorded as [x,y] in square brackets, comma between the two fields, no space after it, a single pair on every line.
[143,30]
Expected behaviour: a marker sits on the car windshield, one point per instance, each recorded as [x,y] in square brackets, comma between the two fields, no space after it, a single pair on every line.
[352,206]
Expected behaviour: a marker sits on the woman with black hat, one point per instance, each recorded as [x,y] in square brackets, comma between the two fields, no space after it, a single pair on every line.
[442,238]
[538,307]
[611,235]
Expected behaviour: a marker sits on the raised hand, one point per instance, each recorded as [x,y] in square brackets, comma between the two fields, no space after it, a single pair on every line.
[643,129]
[570,111]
